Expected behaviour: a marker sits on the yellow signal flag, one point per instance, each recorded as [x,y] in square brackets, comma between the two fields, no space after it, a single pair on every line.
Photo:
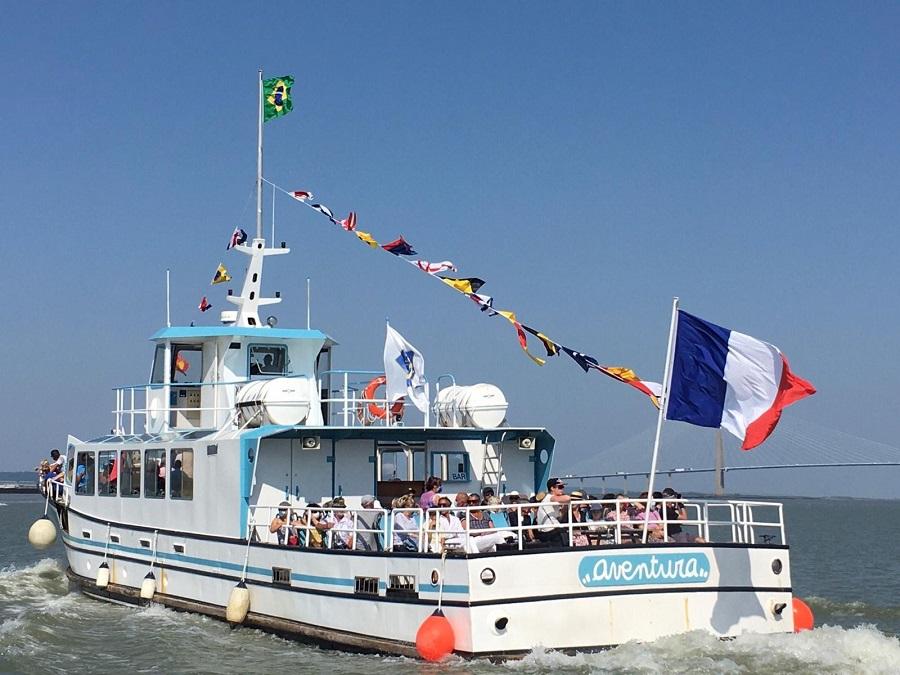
[467,286]
[221,276]
[366,238]
[652,389]
[523,339]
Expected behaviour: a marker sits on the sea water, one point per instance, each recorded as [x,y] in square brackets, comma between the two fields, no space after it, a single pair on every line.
[845,563]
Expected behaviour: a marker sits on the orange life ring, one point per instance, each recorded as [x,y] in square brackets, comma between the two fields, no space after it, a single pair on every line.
[375,411]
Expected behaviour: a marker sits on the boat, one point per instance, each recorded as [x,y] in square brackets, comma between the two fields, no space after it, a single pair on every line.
[219,489]
[19,487]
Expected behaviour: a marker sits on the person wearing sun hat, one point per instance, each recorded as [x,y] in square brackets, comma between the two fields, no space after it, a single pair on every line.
[342,537]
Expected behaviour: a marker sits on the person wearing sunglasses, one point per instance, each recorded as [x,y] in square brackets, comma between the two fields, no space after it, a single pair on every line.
[553,513]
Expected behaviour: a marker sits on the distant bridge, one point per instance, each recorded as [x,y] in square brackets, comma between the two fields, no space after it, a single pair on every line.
[810,445]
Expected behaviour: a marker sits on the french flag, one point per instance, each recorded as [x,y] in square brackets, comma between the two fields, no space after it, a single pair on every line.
[722,378]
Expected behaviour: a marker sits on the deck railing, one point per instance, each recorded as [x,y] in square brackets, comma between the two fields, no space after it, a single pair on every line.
[346,404]
[418,530]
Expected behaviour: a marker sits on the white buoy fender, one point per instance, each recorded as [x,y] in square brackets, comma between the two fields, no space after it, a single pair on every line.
[42,533]
[238,604]
[148,586]
[103,575]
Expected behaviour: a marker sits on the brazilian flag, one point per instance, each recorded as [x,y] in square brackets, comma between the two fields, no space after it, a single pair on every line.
[277,97]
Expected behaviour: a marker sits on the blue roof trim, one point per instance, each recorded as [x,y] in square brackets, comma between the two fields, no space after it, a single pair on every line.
[175,332]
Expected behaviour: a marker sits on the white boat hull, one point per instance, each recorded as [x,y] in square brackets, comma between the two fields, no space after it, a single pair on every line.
[573,599]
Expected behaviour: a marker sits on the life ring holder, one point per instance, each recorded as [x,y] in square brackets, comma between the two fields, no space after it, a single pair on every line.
[372,411]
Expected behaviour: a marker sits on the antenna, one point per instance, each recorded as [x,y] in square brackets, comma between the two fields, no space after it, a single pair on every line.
[259,160]
[273,216]
[307,303]
[168,316]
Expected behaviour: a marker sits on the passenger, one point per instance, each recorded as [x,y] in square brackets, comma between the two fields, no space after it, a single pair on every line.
[460,500]
[435,530]
[43,471]
[406,529]
[620,512]
[54,482]
[176,478]
[652,518]
[276,527]
[583,510]
[482,531]
[449,524]
[81,478]
[368,520]
[498,515]
[161,477]
[513,515]
[295,528]
[486,494]
[58,461]
[315,534]
[429,497]
[580,517]
[342,530]
[552,513]
[675,511]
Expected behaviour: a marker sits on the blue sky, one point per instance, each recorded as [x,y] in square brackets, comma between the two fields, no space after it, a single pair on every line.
[589,160]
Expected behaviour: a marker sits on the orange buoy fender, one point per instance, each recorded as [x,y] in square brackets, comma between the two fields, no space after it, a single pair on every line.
[376,411]
[435,639]
[803,616]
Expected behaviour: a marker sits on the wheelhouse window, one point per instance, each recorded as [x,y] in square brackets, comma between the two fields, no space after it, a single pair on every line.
[450,467]
[155,474]
[187,363]
[84,473]
[130,473]
[159,365]
[267,359]
[108,473]
[181,473]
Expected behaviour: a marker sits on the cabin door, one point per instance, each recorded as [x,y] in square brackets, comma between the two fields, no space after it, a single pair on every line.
[295,467]
[399,469]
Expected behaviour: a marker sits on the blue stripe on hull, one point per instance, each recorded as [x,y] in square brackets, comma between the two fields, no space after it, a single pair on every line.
[235,567]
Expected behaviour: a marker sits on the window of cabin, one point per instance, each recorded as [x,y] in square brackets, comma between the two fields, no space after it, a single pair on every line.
[187,363]
[267,360]
[108,473]
[405,461]
[181,473]
[130,473]
[159,365]
[155,474]
[84,473]
[393,464]
[450,467]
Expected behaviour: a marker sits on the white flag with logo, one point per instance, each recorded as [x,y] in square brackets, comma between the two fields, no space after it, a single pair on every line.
[404,369]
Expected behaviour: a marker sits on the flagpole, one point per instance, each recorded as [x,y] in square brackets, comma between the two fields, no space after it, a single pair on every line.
[667,376]
[168,303]
[259,161]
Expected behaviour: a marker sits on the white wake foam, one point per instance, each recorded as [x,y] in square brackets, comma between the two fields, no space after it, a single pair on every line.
[829,649]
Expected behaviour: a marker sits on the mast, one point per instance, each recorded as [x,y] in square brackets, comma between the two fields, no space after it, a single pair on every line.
[259,163]
[667,376]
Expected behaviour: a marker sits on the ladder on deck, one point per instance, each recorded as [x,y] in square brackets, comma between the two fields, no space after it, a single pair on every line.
[492,474]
